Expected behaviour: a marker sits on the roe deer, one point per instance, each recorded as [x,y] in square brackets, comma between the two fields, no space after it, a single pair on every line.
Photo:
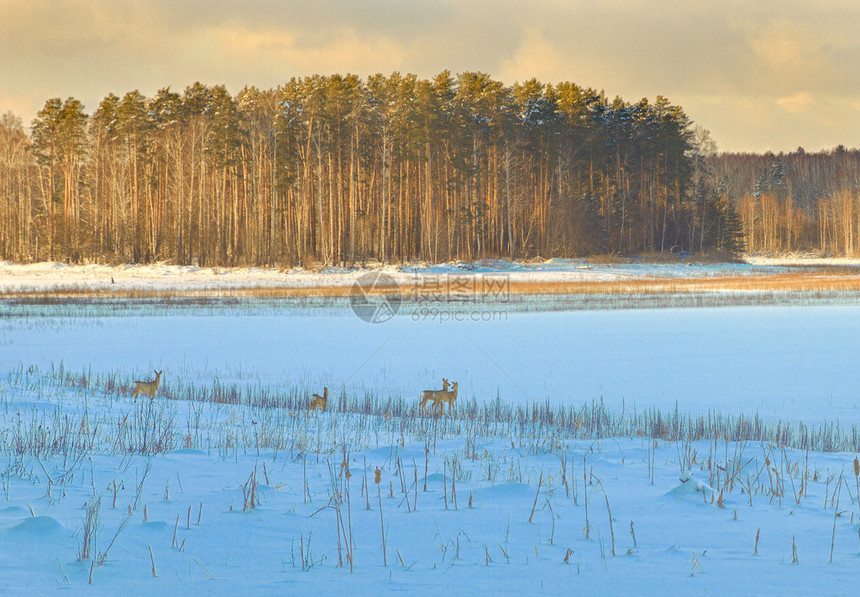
[318,401]
[428,395]
[449,397]
[147,387]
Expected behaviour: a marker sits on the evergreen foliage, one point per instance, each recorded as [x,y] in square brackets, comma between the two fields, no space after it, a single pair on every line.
[339,170]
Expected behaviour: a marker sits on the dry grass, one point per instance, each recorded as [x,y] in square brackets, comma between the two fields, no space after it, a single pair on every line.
[813,280]
[795,281]
[280,421]
[249,292]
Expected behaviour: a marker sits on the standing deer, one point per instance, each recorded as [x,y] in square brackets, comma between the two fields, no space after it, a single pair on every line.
[449,397]
[147,387]
[320,402]
[432,395]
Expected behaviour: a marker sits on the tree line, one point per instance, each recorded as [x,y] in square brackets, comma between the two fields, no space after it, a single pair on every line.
[340,170]
[795,201]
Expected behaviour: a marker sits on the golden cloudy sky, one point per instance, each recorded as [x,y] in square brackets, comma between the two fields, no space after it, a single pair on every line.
[760,75]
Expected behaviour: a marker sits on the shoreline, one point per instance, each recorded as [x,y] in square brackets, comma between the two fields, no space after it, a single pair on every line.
[416,282]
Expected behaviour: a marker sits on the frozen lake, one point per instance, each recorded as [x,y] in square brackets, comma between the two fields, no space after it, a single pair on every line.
[523,520]
[793,363]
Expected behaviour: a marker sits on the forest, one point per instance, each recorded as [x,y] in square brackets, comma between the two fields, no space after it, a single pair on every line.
[336,170]
[795,202]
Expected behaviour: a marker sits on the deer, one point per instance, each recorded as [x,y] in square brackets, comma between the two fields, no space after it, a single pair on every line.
[320,402]
[450,397]
[147,387]
[431,395]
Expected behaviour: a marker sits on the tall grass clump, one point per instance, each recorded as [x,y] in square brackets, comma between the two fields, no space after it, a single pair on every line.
[253,415]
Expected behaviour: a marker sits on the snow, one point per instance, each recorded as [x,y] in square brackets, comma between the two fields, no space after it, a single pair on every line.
[794,363]
[442,550]
[695,531]
[51,276]
[804,260]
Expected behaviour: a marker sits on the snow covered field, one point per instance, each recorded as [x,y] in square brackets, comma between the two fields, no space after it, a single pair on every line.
[794,363]
[53,277]
[202,497]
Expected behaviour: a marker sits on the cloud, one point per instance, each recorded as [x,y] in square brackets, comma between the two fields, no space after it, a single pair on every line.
[797,103]
[781,44]
[536,57]
[750,72]
[285,51]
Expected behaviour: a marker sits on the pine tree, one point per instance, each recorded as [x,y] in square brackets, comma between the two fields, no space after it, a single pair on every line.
[731,236]
[60,143]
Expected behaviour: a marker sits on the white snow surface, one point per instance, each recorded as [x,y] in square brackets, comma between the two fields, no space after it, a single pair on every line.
[50,276]
[796,363]
[792,363]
